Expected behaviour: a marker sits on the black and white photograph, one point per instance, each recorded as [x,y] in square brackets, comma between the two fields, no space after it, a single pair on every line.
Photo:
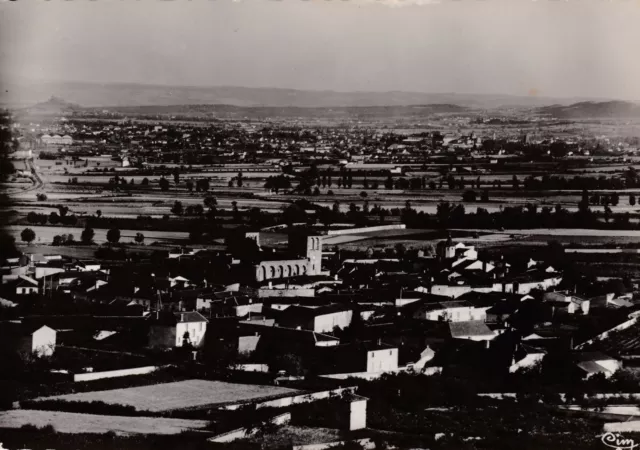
[319,224]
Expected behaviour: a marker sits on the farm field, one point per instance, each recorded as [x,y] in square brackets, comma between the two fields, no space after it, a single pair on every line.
[369,235]
[179,395]
[72,251]
[44,235]
[343,239]
[581,232]
[66,422]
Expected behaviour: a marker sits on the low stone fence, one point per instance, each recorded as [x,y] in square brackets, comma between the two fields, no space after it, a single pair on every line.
[295,399]
[91,376]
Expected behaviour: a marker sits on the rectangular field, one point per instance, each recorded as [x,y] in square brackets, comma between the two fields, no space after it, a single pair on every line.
[66,422]
[180,395]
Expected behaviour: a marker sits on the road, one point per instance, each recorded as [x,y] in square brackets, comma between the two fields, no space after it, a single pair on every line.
[36,180]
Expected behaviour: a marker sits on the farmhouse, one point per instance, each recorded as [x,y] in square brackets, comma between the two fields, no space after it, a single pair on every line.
[321,320]
[454,311]
[26,285]
[563,301]
[363,357]
[525,357]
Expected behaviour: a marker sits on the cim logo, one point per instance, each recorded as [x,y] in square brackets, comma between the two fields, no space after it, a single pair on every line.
[615,440]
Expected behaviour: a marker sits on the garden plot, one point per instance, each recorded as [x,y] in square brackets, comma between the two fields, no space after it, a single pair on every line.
[180,395]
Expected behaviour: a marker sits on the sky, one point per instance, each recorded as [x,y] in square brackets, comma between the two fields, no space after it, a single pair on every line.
[555,48]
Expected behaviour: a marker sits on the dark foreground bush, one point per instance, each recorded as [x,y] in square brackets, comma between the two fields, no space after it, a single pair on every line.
[35,438]
[95,407]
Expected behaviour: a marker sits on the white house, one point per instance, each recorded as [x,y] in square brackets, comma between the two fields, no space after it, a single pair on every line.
[87,265]
[564,300]
[26,285]
[450,311]
[525,357]
[43,341]
[39,341]
[176,329]
[382,359]
[321,320]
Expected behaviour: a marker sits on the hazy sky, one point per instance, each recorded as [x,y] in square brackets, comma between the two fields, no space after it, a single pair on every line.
[557,48]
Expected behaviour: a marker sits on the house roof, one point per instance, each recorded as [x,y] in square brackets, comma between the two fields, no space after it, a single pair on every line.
[301,311]
[26,281]
[437,306]
[504,308]
[292,334]
[592,356]
[469,328]
[491,297]
[190,316]
[531,350]
[591,367]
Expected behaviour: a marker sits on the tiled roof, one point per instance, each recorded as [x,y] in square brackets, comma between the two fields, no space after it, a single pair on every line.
[189,316]
[469,328]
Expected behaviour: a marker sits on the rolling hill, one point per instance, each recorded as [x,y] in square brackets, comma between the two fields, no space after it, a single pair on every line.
[585,110]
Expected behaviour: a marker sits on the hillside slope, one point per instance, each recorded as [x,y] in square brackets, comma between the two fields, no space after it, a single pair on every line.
[584,110]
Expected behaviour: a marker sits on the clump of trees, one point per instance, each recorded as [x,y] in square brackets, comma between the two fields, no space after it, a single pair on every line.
[113,236]
[63,239]
[28,235]
[87,235]
[278,183]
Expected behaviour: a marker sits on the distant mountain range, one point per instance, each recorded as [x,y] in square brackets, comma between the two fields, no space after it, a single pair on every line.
[54,105]
[584,110]
[115,95]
